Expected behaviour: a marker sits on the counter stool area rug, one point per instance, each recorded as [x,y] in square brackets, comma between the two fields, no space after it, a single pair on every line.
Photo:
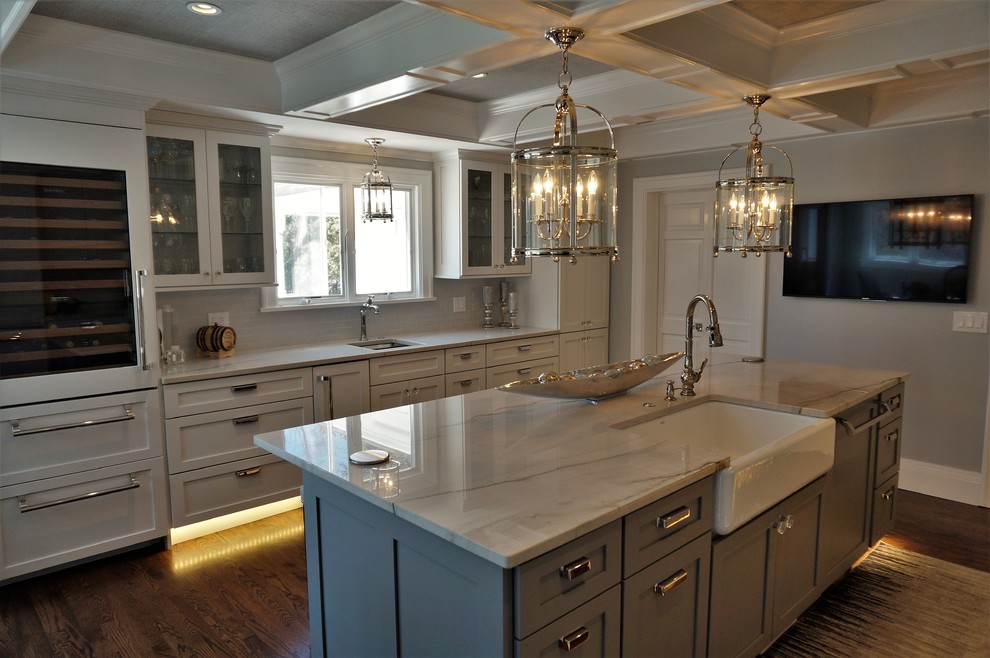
[896,604]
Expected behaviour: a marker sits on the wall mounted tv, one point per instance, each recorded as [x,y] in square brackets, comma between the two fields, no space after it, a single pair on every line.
[893,250]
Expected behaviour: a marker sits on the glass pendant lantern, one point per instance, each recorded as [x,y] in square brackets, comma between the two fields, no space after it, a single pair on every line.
[564,193]
[376,189]
[753,214]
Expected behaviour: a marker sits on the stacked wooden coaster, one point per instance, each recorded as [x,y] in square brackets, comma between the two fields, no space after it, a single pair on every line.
[215,341]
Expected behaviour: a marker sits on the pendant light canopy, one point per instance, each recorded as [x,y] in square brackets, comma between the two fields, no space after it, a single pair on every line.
[376,189]
[564,194]
[753,213]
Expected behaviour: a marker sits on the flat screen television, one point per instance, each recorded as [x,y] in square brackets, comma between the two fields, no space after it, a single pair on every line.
[914,250]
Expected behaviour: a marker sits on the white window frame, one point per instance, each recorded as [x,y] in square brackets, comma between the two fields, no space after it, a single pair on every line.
[418,182]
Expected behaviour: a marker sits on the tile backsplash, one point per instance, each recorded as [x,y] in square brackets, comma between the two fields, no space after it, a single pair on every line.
[257,330]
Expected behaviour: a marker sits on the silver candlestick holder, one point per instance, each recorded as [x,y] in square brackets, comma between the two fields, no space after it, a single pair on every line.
[512,319]
[489,317]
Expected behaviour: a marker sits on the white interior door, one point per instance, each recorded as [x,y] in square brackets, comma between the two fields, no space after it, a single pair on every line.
[737,285]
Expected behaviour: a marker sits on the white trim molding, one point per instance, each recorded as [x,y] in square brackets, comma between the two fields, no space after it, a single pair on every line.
[941,481]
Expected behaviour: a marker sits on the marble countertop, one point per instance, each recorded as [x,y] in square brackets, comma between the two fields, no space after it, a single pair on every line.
[246,362]
[509,477]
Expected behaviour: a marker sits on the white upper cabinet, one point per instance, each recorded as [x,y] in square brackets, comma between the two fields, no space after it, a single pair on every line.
[211,207]
[474,233]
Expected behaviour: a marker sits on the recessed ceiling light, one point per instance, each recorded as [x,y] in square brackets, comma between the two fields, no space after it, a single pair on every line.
[480,75]
[203,8]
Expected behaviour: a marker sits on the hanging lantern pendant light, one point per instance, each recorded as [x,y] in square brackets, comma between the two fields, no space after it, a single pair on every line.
[376,189]
[753,214]
[564,194]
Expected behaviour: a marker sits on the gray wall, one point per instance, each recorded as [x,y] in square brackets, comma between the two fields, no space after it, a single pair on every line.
[947,392]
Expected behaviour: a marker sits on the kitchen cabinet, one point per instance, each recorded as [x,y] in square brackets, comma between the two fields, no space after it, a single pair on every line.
[402,379]
[80,478]
[859,490]
[474,237]
[572,297]
[367,563]
[211,208]
[765,574]
[512,360]
[341,390]
[214,466]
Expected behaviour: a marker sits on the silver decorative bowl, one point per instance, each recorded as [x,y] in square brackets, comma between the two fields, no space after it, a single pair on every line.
[595,383]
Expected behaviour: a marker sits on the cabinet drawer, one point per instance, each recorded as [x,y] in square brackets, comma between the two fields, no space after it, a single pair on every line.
[218,490]
[223,436]
[229,392]
[60,438]
[469,381]
[459,359]
[888,451]
[591,631]
[514,351]
[400,367]
[894,399]
[884,508]
[50,522]
[552,584]
[522,370]
[669,523]
[666,604]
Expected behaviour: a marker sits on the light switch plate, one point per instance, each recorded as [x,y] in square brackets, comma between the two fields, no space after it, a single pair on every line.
[969,322]
[221,318]
[460,304]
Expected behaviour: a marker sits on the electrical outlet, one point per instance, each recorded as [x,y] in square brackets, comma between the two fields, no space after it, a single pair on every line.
[222,318]
[460,304]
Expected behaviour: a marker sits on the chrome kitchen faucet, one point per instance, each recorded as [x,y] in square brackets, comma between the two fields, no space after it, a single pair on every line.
[689,377]
[369,304]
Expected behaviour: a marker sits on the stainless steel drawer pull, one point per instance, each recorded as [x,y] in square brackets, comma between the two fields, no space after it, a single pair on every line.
[574,639]
[23,505]
[669,585]
[887,495]
[465,356]
[524,371]
[579,566]
[674,518]
[886,412]
[243,387]
[247,471]
[524,348]
[15,428]
[245,420]
[466,382]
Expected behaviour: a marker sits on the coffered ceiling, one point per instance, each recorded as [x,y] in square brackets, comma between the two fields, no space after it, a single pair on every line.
[668,74]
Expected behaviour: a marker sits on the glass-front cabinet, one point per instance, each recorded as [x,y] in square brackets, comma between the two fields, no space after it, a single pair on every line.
[211,207]
[475,239]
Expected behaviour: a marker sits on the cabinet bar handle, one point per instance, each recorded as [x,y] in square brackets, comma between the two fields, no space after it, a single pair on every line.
[243,387]
[887,495]
[574,639]
[245,420]
[23,505]
[329,382]
[576,568]
[524,348]
[139,277]
[674,518]
[465,356]
[247,471]
[669,585]
[887,412]
[15,428]
[466,382]
[524,371]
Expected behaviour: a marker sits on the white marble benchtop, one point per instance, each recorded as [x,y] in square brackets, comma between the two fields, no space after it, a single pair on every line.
[509,477]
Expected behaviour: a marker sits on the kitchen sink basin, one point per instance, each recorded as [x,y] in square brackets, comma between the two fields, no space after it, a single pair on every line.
[772,454]
[383,344]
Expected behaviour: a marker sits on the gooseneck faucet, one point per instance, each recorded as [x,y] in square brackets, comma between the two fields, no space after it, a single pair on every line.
[368,305]
[690,376]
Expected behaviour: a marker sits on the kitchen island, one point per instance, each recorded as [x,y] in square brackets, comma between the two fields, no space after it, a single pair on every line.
[434,557]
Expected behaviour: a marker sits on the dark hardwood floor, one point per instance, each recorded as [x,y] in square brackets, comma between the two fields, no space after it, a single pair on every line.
[242,592]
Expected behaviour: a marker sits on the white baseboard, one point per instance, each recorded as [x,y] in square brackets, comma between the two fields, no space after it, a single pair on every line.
[941,481]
